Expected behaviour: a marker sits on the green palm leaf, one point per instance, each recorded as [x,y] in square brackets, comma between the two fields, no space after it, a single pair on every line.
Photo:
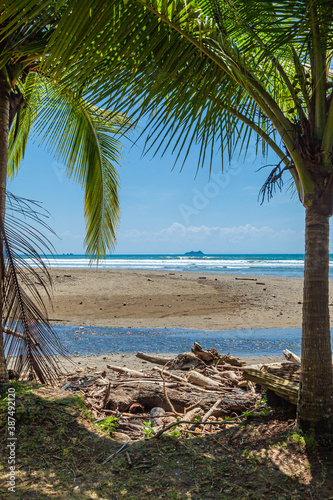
[83,138]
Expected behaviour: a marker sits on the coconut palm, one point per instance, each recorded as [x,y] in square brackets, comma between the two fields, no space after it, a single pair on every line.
[82,137]
[217,72]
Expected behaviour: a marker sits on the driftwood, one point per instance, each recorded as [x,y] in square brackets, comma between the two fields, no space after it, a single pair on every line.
[231,376]
[208,414]
[290,356]
[126,371]
[283,388]
[246,279]
[158,360]
[208,356]
[212,356]
[196,358]
[151,395]
[185,361]
[183,381]
[130,395]
[198,379]
[288,371]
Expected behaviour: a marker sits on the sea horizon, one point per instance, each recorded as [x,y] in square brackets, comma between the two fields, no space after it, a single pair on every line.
[283,265]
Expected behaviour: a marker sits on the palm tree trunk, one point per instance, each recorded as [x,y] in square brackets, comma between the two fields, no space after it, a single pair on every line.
[315,403]
[4,130]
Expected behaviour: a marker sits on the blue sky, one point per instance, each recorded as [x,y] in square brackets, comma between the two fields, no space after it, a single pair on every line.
[167,211]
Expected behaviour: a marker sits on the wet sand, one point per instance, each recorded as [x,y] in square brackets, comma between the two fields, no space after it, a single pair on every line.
[123,298]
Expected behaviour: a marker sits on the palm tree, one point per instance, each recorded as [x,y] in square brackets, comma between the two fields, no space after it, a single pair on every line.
[82,137]
[217,72]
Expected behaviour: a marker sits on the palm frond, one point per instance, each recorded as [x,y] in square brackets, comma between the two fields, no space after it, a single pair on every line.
[30,343]
[83,138]
[193,64]
[22,125]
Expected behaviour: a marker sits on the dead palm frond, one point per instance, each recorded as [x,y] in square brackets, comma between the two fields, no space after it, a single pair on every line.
[30,342]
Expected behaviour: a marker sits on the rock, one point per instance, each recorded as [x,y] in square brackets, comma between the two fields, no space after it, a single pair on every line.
[157,411]
[120,436]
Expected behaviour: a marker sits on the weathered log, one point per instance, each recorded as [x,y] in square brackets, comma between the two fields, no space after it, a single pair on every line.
[288,371]
[181,379]
[185,361]
[230,375]
[290,356]
[283,388]
[231,360]
[198,379]
[126,371]
[159,360]
[151,395]
[207,356]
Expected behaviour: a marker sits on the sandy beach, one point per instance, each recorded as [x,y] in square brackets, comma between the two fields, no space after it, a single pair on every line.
[126,298]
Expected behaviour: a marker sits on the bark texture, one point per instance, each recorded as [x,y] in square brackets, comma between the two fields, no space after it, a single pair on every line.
[4,130]
[315,400]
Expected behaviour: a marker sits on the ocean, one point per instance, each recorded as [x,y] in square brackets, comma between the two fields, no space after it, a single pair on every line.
[284,265]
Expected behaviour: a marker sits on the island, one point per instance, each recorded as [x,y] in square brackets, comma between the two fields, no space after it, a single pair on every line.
[194,254]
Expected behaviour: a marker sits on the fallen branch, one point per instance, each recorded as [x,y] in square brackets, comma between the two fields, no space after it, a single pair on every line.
[165,390]
[153,359]
[126,371]
[116,452]
[290,356]
[179,422]
[208,414]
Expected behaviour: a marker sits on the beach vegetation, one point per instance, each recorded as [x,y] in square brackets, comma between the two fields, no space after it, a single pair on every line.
[60,454]
[148,429]
[83,137]
[221,73]
[109,424]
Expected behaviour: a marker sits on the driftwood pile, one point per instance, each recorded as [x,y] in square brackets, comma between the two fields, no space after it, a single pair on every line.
[192,393]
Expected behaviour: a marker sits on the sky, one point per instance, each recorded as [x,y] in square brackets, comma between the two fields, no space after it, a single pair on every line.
[166,211]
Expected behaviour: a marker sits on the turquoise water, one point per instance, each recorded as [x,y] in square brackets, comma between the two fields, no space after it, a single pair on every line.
[286,265]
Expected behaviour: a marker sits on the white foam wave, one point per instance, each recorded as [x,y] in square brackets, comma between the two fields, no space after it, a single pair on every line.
[179,263]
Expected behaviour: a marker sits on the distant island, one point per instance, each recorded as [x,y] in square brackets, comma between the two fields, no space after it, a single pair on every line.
[194,254]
